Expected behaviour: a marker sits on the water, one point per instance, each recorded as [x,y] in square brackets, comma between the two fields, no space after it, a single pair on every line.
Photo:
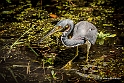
[106,57]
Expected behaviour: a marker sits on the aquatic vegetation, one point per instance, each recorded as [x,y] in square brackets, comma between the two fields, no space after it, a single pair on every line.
[20,38]
[102,37]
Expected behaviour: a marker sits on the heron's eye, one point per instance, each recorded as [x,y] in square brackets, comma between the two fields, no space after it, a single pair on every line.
[68,28]
[90,29]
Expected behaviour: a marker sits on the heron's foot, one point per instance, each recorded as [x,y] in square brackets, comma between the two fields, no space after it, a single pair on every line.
[68,65]
[87,60]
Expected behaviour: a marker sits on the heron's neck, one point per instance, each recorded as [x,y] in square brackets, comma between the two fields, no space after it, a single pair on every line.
[70,42]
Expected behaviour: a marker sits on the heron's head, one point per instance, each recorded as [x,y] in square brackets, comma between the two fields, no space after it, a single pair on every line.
[58,27]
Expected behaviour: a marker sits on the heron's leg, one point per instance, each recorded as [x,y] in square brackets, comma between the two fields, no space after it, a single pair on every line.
[88,48]
[69,64]
[76,53]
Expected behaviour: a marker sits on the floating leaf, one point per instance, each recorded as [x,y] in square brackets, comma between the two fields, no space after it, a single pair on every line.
[107,24]
[53,16]
[105,35]
[112,35]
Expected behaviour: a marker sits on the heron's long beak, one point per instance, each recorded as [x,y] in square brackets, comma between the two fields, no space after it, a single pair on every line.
[56,28]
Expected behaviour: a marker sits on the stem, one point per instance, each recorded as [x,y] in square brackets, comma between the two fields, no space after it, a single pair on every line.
[19,39]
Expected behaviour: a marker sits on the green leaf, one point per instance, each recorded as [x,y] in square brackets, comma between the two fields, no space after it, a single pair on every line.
[105,35]
[19,43]
[9,1]
[52,72]
[112,35]
[101,41]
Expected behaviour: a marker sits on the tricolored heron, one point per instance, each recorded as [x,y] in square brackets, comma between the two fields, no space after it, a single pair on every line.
[83,33]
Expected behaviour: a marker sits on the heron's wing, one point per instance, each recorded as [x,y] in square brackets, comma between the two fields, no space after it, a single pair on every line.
[86,30]
[80,29]
[92,34]
[78,26]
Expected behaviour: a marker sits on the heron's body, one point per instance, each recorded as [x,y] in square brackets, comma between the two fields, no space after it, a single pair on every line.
[83,33]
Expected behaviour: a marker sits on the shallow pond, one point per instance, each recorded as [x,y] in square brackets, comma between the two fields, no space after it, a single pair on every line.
[22,62]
